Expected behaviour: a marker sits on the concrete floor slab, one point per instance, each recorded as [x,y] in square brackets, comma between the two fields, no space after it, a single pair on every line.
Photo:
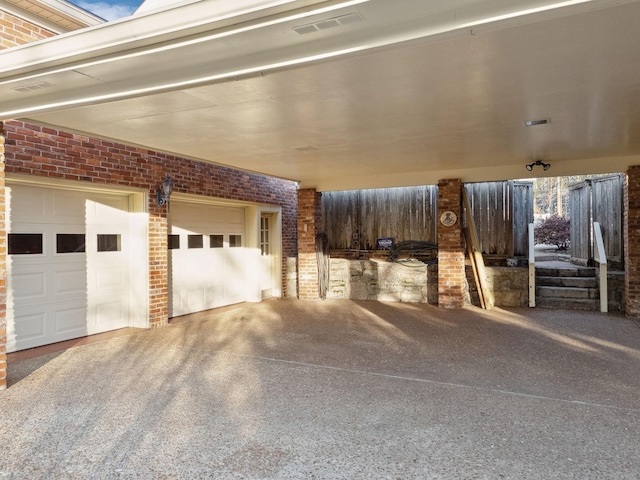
[339,389]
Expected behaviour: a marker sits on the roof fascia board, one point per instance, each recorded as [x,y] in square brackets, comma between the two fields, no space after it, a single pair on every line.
[81,16]
[73,11]
[147,7]
[32,18]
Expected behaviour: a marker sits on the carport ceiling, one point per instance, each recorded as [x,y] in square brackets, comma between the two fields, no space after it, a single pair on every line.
[377,93]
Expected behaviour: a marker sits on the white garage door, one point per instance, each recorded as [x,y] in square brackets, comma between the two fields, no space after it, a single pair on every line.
[68,264]
[210,266]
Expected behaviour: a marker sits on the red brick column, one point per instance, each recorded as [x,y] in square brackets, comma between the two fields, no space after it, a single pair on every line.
[632,242]
[158,264]
[451,272]
[309,224]
[3,272]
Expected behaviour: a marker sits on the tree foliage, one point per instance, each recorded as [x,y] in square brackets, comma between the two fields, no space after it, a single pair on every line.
[551,194]
[553,231]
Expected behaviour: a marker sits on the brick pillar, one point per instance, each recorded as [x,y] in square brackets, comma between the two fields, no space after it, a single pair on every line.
[309,224]
[632,242]
[451,271]
[3,272]
[158,264]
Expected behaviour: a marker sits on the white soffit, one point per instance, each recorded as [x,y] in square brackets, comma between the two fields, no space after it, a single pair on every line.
[201,42]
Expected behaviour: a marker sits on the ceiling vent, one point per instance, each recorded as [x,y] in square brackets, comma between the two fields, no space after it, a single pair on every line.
[304,29]
[341,21]
[308,148]
[327,24]
[33,86]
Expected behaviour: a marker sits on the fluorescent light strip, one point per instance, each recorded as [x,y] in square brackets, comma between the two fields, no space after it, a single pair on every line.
[185,43]
[521,13]
[177,85]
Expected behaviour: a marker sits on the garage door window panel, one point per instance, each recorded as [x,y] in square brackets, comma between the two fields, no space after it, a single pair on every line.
[109,242]
[235,241]
[216,241]
[173,242]
[70,243]
[25,244]
[195,241]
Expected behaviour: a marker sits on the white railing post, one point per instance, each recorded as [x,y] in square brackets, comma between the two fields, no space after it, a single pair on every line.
[532,268]
[600,256]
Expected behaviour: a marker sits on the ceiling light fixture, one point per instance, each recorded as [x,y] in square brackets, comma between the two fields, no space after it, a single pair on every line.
[538,163]
[532,123]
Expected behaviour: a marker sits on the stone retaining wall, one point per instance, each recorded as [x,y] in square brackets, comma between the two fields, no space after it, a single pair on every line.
[378,280]
[418,283]
[510,286]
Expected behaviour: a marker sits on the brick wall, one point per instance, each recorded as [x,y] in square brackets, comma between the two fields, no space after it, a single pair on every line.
[46,152]
[632,242]
[158,266]
[3,275]
[309,224]
[14,31]
[451,267]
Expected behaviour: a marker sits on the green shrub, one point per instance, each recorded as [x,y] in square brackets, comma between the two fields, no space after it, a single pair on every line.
[553,231]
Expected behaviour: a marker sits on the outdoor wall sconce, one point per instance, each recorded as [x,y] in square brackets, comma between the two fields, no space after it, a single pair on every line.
[545,166]
[164,191]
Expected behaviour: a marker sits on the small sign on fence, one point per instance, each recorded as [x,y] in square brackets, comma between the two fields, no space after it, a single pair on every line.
[385,243]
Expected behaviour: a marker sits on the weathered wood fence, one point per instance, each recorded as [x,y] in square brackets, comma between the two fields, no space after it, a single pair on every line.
[355,219]
[501,212]
[597,200]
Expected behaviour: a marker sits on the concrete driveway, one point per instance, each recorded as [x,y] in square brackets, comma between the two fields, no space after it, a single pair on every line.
[334,390]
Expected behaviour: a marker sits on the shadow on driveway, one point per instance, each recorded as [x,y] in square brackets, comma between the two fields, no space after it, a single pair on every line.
[335,389]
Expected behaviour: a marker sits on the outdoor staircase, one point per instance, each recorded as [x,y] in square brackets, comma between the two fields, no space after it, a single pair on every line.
[573,288]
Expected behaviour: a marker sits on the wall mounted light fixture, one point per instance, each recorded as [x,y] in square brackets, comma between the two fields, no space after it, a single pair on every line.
[164,191]
[545,166]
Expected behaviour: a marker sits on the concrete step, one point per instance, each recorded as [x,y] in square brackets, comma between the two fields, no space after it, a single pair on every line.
[567,292]
[565,272]
[577,282]
[546,257]
[573,288]
[568,304]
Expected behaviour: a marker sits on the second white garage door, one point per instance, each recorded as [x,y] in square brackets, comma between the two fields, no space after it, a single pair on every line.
[210,264]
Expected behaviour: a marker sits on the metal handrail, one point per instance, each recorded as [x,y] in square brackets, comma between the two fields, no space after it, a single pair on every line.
[600,256]
[532,268]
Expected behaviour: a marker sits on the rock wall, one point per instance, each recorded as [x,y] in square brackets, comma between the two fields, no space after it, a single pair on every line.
[510,286]
[415,282]
[378,280]
[418,283]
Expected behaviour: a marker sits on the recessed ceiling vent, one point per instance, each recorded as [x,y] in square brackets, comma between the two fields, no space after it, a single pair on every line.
[32,86]
[341,21]
[308,148]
